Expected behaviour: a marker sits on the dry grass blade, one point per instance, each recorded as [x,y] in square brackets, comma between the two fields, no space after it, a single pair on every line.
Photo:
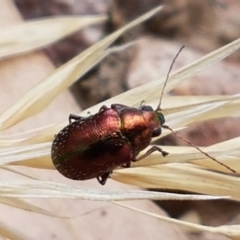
[173,104]
[204,112]
[22,204]
[228,156]
[46,91]
[232,231]
[151,91]
[46,135]
[24,152]
[44,189]
[180,177]
[41,162]
[36,34]
[227,152]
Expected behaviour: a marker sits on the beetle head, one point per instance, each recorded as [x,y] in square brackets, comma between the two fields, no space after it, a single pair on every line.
[159,115]
[157,119]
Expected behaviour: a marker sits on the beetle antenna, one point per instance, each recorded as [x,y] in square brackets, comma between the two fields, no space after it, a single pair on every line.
[193,145]
[169,71]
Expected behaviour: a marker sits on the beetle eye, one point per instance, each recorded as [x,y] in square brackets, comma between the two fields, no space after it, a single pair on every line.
[156,132]
[146,108]
[161,118]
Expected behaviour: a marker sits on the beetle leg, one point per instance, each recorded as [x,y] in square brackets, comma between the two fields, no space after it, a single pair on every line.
[102,108]
[126,165]
[150,151]
[74,117]
[142,104]
[118,107]
[102,179]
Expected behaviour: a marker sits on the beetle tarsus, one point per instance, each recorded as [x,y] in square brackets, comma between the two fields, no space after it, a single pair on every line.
[102,108]
[150,151]
[102,179]
[74,117]
[118,107]
[126,165]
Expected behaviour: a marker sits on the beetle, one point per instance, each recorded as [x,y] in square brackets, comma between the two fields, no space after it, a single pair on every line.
[93,146]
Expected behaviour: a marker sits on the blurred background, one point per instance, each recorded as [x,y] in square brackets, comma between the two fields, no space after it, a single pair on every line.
[202,26]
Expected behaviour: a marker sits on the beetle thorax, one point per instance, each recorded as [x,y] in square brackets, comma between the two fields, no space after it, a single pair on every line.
[138,127]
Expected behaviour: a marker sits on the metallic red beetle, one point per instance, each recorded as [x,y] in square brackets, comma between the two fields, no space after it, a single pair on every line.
[92,147]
